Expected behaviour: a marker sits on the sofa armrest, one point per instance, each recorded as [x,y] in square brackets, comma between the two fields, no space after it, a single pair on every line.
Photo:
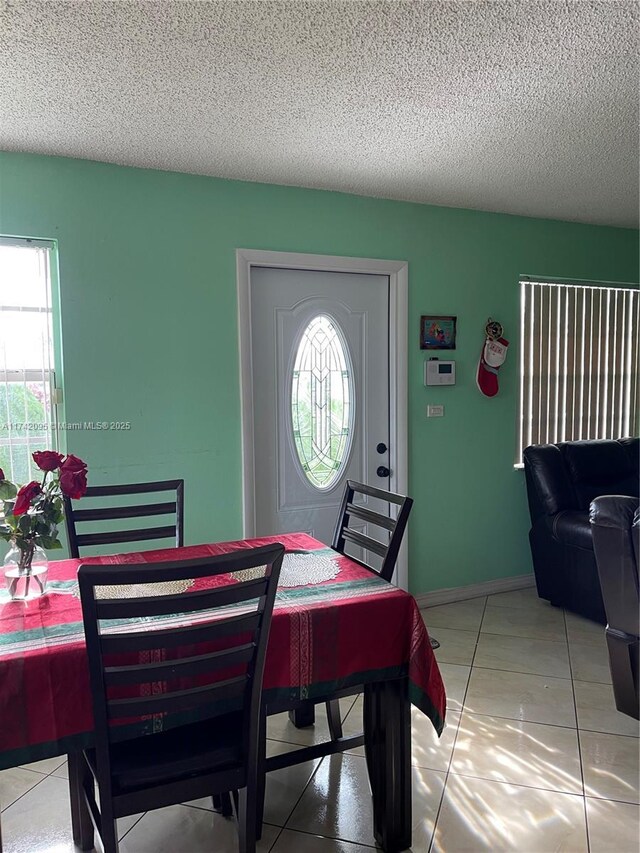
[612,523]
[549,489]
[613,511]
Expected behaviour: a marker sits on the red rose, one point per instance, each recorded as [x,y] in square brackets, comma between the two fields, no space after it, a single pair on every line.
[73,477]
[47,460]
[2,477]
[25,496]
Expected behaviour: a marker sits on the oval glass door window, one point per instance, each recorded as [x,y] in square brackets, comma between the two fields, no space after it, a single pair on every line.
[322,402]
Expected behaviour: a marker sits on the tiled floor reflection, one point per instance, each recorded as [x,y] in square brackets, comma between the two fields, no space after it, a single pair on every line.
[535,758]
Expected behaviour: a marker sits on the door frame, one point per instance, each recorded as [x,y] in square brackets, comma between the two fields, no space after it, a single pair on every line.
[398,273]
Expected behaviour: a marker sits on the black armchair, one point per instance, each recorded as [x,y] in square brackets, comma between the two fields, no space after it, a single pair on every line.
[562,480]
[615,522]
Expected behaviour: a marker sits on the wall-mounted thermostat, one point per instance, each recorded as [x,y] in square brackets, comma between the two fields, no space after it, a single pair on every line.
[438,372]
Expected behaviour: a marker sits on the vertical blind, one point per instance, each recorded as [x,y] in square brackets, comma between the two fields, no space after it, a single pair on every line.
[578,362]
[27,421]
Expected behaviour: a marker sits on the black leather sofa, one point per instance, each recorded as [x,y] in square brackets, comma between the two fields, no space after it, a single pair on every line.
[562,480]
[615,522]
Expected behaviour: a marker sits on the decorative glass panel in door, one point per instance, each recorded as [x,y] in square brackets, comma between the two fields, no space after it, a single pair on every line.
[322,402]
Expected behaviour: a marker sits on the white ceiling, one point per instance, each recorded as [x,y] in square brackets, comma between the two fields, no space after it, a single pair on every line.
[522,107]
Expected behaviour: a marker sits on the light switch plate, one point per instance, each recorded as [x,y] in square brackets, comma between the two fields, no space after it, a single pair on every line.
[435,411]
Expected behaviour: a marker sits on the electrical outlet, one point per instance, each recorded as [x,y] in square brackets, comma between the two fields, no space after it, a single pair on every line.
[435,411]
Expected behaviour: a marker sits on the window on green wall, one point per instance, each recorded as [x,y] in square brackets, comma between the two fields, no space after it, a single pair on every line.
[27,377]
[579,353]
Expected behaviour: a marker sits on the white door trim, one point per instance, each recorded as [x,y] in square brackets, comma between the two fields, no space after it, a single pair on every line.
[398,273]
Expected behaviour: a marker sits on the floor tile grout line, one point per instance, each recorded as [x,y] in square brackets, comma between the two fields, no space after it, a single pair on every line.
[455,740]
[29,769]
[519,637]
[543,675]
[518,720]
[522,672]
[611,800]
[32,788]
[275,840]
[515,784]
[280,829]
[295,806]
[557,725]
[575,708]
[523,636]
[134,825]
[610,734]
[297,802]
[42,772]
[330,838]
[302,744]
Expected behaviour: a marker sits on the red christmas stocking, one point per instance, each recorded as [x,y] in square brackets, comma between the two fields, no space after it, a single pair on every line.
[491,358]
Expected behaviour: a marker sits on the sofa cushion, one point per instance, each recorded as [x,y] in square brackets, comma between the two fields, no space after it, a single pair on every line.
[572,527]
[598,467]
[632,449]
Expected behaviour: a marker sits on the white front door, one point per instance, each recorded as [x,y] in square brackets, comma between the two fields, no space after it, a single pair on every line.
[320,365]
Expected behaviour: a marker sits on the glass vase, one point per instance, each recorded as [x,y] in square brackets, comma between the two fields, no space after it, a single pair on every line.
[25,571]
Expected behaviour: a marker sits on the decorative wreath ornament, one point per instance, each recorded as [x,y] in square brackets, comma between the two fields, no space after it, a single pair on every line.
[493,329]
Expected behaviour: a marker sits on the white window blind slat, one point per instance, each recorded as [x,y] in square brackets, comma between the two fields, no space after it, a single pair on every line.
[634,371]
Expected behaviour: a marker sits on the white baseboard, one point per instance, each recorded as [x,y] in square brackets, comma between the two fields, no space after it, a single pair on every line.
[474,590]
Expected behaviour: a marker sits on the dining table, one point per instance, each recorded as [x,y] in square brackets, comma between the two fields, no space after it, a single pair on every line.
[337,629]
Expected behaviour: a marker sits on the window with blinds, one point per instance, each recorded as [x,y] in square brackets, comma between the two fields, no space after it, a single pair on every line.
[27,378]
[578,362]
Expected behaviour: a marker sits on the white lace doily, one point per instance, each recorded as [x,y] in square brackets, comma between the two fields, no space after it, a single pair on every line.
[141,590]
[298,570]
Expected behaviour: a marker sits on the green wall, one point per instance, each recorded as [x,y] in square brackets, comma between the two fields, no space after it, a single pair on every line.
[148,305]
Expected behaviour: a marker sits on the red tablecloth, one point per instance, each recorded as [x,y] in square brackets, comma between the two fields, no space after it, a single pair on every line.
[353,629]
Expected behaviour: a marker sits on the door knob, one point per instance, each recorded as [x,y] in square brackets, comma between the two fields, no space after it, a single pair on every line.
[382,447]
[382,471]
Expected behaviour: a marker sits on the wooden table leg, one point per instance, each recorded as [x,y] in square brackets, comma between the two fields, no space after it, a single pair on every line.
[303,716]
[81,823]
[387,729]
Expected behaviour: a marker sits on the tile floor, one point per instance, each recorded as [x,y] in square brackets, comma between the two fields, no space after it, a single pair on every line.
[535,758]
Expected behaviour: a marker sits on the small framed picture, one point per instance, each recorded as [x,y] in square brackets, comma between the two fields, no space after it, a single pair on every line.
[437,332]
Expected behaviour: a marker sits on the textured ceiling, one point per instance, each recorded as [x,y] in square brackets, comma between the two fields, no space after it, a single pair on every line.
[523,107]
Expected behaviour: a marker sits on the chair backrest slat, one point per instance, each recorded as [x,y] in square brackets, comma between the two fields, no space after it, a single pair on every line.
[160,605]
[137,511]
[394,526]
[371,517]
[180,668]
[113,537]
[177,700]
[134,488]
[75,517]
[374,492]
[366,542]
[170,638]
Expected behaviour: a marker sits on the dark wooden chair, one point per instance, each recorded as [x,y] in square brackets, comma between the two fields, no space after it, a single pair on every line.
[393,527]
[210,659]
[75,516]
[390,528]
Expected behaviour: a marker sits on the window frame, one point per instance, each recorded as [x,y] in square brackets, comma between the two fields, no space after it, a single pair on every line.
[53,375]
[526,281]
